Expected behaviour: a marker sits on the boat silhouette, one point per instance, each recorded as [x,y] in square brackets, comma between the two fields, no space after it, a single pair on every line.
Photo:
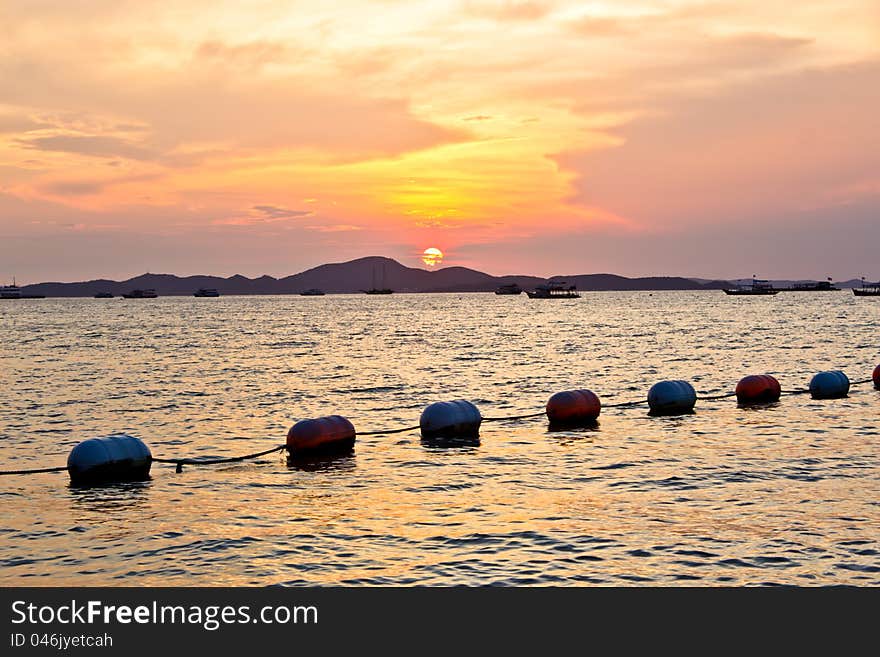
[757,288]
[512,289]
[812,286]
[554,290]
[14,292]
[867,289]
[379,290]
[141,294]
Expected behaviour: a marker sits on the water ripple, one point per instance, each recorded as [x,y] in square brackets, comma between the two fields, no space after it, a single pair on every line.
[781,494]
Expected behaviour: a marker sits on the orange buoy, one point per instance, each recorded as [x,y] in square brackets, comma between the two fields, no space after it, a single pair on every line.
[758,388]
[877,377]
[573,406]
[323,434]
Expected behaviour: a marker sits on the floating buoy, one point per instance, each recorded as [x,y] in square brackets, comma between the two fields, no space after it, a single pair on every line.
[112,458]
[458,418]
[672,398]
[876,377]
[573,406]
[829,385]
[324,434]
[758,388]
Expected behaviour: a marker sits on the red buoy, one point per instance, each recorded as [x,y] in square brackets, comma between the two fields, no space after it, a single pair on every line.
[758,388]
[877,377]
[331,433]
[572,406]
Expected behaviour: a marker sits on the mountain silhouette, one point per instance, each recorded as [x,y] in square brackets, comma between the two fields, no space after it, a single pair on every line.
[358,275]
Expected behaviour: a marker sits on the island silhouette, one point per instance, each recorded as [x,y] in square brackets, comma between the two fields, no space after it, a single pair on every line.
[355,275]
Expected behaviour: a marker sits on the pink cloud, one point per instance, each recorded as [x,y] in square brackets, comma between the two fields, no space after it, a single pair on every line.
[781,144]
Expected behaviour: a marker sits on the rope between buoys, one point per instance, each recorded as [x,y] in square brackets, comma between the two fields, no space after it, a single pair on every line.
[231,459]
[625,404]
[178,462]
[35,471]
[387,431]
[716,397]
[512,417]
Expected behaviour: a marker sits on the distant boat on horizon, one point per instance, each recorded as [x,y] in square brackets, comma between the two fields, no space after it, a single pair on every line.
[757,288]
[14,292]
[867,289]
[312,292]
[379,290]
[512,289]
[141,294]
[554,290]
[103,295]
[812,286]
[206,292]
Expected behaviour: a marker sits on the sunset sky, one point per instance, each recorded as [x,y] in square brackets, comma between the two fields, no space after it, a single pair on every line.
[713,139]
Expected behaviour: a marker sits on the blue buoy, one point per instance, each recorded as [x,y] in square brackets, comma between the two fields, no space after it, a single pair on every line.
[829,385]
[452,419]
[672,398]
[112,458]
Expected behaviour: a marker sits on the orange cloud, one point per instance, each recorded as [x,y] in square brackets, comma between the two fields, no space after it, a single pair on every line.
[477,123]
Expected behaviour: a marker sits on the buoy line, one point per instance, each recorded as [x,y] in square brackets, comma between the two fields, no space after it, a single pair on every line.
[716,397]
[388,431]
[231,459]
[178,462]
[126,458]
[512,417]
[626,404]
[805,391]
[60,468]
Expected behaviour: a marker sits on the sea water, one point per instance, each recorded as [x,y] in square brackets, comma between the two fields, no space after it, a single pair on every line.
[787,493]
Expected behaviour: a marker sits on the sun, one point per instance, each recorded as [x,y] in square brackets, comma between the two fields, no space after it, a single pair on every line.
[432,256]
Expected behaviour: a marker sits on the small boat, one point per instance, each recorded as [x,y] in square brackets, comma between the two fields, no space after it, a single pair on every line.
[554,290]
[141,294]
[812,286]
[14,292]
[10,292]
[757,288]
[103,295]
[513,288]
[867,289]
[378,290]
[206,292]
[313,292]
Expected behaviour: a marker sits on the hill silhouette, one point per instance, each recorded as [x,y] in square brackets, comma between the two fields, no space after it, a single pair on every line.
[358,275]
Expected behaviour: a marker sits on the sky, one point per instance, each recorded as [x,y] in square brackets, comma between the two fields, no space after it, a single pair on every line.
[711,139]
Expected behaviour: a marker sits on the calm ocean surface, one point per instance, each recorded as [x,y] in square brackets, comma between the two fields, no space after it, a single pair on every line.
[788,493]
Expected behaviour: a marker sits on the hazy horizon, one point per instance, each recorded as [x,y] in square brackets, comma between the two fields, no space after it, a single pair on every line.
[427,268]
[661,137]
